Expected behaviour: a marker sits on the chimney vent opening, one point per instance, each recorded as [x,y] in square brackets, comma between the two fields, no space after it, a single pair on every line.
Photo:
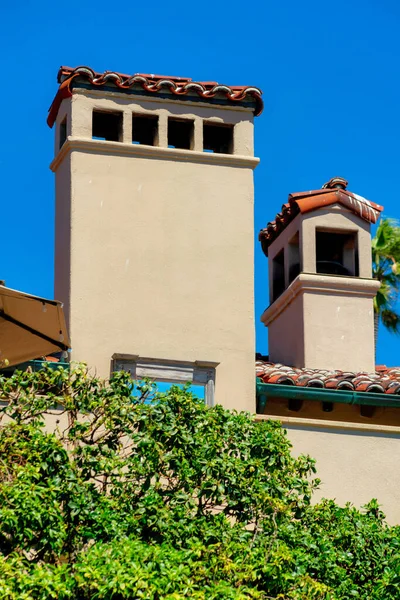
[63,132]
[278,275]
[336,253]
[217,138]
[180,133]
[107,126]
[294,257]
[145,129]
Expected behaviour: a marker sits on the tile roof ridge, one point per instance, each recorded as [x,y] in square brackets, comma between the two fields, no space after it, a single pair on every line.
[383,380]
[179,86]
[308,201]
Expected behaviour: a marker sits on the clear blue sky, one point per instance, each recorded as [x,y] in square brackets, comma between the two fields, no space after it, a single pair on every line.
[329,72]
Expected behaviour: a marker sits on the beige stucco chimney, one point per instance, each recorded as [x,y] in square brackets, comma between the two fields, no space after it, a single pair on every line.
[154,226]
[321,290]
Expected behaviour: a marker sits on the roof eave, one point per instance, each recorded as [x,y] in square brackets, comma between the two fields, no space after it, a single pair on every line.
[292,392]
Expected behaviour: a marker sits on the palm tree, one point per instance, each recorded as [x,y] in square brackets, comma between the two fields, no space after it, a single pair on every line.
[386,268]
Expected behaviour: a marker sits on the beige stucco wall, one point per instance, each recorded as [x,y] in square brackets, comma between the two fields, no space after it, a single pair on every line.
[353,465]
[161,247]
[62,255]
[356,455]
[286,335]
[339,330]
[323,322]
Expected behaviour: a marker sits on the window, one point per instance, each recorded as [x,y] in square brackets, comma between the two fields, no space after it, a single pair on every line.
[145,129]
[336,253]
[63,132]
[197,389]
[180,133]
[107,126]
[294,257]
[278,275]
[217,138]
[200,374]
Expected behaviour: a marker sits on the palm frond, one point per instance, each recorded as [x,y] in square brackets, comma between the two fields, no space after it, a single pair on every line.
[391,320]
[386,268]
[386,242]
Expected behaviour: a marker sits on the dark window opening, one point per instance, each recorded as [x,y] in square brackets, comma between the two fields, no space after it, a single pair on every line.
[63,132]
[218,138]
[180,133]
[107,126]
[145,129]
[294,257]
[336,253]
[278,275]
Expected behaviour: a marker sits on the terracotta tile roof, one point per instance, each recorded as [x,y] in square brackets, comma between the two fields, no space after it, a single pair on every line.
[51,359]
[385,380]
[333,192]
[180,86]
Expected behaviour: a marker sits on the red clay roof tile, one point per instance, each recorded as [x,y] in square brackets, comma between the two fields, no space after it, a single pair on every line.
[333,192]
[386,380]
[179,86]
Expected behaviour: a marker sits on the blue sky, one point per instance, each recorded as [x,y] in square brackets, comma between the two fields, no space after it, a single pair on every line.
[329,72]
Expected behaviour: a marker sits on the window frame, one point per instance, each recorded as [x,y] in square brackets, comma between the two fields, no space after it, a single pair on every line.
[198,372]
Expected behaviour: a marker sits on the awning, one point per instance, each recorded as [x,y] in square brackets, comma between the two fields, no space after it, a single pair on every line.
[30,327]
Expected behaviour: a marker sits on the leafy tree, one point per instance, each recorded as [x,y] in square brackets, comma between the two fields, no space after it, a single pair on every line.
[116,499]
[386,268]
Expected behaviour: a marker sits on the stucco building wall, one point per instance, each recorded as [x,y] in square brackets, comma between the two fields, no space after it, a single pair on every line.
[356,455]
[353,465]
[157,254]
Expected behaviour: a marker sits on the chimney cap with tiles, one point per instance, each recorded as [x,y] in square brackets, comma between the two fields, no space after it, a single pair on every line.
[320,280]
[336,182]
[334,192]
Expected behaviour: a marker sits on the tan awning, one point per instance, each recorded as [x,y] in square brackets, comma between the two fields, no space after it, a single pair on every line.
[30,327]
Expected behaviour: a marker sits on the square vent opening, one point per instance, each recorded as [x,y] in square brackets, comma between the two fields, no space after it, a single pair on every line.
[180,133]
[107,126]
[217,138]
[145,130]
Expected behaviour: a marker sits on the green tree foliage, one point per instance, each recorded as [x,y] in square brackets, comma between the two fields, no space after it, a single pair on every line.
[121,499]
[386,268]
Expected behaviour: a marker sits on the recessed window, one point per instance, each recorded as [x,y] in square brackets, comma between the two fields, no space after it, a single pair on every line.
[145,129]
[200,374]
[107,126]
[180,133]
[63,132]
[163,387]
[336,253]
[294,257]
[218,138]
[278,275]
